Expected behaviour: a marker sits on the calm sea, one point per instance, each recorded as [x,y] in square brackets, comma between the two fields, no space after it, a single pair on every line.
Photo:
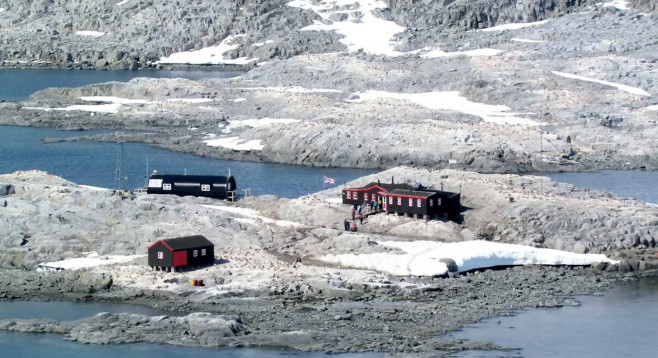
[17,85]
[92,163]
[618,323]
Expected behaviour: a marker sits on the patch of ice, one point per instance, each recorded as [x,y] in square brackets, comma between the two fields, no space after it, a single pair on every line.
[619,4]
[293,89]
[235,143]
[514,26]
[90,33]
[451,100]
[208,55]
[251,215]
[91,260]
[629,89]
[516,39]
[421,258]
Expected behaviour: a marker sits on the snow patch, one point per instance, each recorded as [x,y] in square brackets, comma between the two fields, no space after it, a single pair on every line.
[451,100]
[514,26]
[629,89]
[90,33]
[208,55]
[436,53]
[361,30]
[516,39]
[235,143]
[421,258]
[252,214]
[619,4]
[91,260]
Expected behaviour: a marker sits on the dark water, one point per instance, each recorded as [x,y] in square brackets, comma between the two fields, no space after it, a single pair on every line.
[17,85]
[633,184]
[92,163]
[619,323]
[21,345]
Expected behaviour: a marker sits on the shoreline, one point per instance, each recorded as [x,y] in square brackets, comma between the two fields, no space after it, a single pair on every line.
[271,286]
[372,320]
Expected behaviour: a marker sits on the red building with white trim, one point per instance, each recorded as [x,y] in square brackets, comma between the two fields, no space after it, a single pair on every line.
[405,199]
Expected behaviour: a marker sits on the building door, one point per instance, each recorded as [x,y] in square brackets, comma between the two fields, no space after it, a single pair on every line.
[180,258]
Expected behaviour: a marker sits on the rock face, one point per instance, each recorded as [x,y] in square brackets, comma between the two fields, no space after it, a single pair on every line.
[201,329]
[134,33]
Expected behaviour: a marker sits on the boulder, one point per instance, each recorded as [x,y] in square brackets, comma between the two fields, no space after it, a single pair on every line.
[450,263]
[7,189]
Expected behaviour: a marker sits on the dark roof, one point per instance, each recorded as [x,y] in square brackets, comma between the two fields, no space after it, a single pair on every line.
[386,187]
[185,242]
[193,178]
[412,193]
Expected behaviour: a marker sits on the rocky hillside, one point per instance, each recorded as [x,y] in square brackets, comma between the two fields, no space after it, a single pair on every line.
[489,86]
[135,33]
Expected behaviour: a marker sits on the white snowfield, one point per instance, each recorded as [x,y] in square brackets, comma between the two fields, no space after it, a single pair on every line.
[452,101]
[629,89]
[235,143]
[113,104]
[421,258]
[90,33]
[208,55]
[91,260]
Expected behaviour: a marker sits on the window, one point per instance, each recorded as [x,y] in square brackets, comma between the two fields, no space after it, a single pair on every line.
[390,200]
[438,201]
[205,187]
[349,194]
[419,203]
[166,186]
[365,197]
[400,201]
[160,255]
[411,202]
[195,253]
[203,252]
[431,202]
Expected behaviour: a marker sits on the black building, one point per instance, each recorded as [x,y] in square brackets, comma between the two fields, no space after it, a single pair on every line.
[219,187]
[181,252]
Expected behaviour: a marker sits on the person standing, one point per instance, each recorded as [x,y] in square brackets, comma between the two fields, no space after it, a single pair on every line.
[347,225]
[361,218]
[353,214]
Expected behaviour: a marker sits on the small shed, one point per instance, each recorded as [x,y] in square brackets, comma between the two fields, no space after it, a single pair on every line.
[181,252]
[213,186]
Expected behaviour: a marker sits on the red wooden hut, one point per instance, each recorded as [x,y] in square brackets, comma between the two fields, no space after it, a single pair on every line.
[181,252]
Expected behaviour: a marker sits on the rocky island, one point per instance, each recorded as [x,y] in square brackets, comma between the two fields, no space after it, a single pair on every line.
[444,93]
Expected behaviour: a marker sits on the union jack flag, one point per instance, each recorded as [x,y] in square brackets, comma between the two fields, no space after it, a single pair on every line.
[328,180]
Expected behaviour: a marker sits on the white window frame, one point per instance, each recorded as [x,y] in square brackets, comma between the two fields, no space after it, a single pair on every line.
[431,202]
[390,200]
[349,194]
[419,203]
[205,187]
[399,201]
[166,186]
[195,253]
[160,255]
[203,252]
[411,201]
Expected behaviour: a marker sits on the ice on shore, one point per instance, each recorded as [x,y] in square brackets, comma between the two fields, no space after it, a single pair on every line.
[421,258]
[91,260]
